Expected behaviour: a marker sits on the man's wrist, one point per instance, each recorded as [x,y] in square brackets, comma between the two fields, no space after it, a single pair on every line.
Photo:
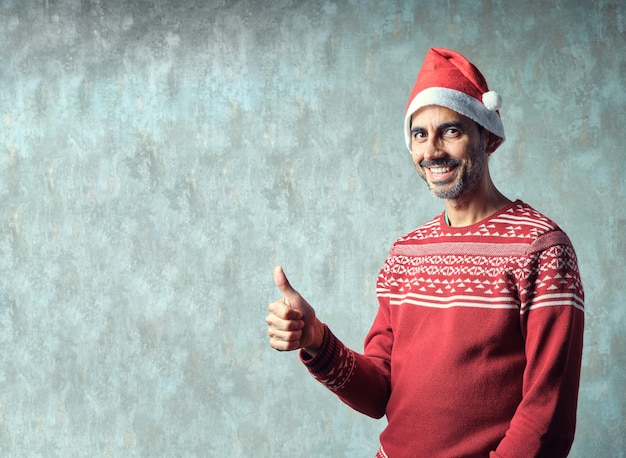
[318,339]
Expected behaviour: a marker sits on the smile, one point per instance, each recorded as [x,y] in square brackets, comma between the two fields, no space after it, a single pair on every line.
[440,173]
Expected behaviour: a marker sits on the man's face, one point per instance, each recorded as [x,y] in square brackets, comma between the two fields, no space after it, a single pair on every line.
[449,152]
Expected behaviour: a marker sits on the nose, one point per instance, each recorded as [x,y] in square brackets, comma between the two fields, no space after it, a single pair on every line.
[432,148]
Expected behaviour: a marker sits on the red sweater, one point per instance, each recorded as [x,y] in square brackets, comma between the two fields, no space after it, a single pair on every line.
[476,347]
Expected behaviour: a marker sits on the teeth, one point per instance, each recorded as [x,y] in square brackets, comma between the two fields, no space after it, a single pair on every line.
[440,169]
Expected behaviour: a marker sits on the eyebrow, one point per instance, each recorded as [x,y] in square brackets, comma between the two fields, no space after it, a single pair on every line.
[446,125]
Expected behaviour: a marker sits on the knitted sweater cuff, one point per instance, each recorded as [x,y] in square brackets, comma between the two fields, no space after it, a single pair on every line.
[333,365]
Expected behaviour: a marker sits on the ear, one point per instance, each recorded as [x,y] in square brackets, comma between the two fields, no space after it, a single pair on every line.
[492,142]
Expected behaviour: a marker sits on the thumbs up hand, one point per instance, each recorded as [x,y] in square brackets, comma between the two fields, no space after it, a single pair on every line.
[292,323]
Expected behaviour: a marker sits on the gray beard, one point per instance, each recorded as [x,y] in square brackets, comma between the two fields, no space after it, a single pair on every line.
[467,183]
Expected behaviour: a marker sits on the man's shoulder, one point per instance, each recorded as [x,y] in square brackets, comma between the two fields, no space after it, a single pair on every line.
[430,229]
[522,219]
[521,209]
[544,233]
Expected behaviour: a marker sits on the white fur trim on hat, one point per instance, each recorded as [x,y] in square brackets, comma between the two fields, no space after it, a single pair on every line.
[483,113]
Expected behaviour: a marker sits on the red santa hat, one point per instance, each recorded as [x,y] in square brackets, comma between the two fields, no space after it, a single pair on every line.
[449,80]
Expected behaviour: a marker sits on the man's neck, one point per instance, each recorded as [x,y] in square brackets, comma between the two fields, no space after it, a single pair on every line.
[470,212]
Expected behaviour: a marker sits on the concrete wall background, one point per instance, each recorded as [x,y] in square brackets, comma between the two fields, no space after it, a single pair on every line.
[158,158]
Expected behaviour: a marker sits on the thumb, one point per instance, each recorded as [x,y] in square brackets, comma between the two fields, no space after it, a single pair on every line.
[295,301]
[283,284]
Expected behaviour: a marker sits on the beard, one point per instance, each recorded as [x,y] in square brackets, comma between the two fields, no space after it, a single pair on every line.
[467,179]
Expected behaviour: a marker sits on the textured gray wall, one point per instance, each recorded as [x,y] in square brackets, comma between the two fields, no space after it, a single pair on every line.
[158,158]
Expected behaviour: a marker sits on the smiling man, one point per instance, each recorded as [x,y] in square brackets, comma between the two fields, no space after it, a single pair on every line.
[476,347]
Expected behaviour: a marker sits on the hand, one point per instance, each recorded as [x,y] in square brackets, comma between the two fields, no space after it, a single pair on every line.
[292,323]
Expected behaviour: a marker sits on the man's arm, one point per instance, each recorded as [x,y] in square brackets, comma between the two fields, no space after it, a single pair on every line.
[362,382]
[552,321]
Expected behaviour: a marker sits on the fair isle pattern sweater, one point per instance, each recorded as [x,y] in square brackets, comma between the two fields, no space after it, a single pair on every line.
[476,347]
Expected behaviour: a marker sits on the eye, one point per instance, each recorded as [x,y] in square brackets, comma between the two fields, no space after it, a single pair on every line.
[418,134]
[451,132]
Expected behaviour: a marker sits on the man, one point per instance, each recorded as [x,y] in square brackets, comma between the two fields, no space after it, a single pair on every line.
[476,347]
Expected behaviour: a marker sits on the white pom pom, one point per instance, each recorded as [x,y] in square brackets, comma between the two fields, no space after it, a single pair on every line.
[492,100]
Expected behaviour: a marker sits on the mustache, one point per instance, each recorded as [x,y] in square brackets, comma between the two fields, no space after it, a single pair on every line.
[442,162]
